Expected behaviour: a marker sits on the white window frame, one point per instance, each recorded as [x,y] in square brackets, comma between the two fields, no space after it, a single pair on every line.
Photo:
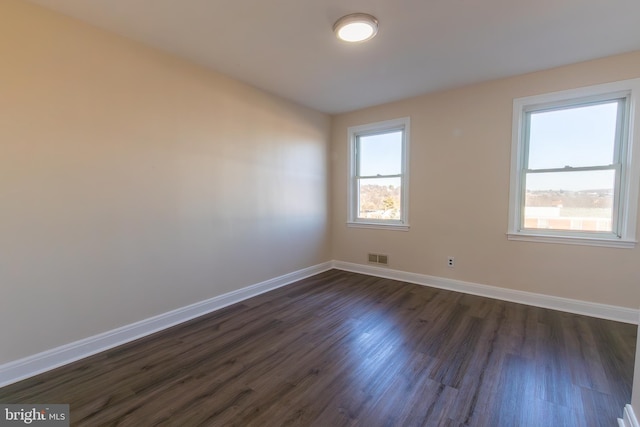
[624,233]
[372,129]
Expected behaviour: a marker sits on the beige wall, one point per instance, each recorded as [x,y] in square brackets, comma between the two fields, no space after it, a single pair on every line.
[460,165]
[133,183]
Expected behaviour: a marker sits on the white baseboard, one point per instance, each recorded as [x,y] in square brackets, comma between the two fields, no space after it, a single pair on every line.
[32,365]
[38,363]
[629,419]
[603,311]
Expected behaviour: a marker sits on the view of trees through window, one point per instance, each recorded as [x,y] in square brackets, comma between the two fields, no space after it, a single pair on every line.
[379,201]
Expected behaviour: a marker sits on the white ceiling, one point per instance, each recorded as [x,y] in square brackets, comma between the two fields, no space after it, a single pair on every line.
[287,47]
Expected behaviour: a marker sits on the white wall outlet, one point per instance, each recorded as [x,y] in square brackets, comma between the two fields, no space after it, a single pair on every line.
[451,261]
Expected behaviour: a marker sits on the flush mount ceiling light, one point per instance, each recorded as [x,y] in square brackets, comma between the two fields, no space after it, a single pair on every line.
[357,27]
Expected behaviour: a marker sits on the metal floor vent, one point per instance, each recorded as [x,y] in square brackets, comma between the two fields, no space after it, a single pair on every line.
[379,259]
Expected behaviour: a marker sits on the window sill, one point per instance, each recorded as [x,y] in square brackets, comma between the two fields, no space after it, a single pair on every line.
[565,240]
[378,225]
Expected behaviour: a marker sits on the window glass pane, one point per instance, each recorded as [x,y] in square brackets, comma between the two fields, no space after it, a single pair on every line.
[379,198]
[578,201]
[380,154]
[577,136]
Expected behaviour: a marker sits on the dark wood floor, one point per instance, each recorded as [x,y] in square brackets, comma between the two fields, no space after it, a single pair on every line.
[344,349]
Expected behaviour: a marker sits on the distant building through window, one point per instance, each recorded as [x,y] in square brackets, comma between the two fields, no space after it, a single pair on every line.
[573,176]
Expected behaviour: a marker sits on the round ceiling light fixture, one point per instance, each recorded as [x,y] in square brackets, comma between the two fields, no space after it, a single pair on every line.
[357,27]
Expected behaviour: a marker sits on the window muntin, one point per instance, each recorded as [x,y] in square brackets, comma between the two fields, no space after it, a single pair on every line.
[378,174]
[573,178]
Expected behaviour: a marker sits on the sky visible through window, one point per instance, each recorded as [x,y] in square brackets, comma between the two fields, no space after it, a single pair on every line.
[381,154]
[575,137]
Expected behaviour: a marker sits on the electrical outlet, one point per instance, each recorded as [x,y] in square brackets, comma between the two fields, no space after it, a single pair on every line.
[451,261]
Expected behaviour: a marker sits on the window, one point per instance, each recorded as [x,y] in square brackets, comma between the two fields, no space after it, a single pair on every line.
[573,178]
[379,176]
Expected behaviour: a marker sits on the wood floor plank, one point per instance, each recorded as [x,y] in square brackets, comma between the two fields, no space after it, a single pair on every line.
[345,349]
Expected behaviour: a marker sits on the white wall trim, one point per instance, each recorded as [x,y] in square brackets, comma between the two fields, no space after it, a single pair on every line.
[38,363]
[603,311]
[50,359]
[629,418]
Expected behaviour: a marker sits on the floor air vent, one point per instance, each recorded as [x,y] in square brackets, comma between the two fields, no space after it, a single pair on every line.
[379,259]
